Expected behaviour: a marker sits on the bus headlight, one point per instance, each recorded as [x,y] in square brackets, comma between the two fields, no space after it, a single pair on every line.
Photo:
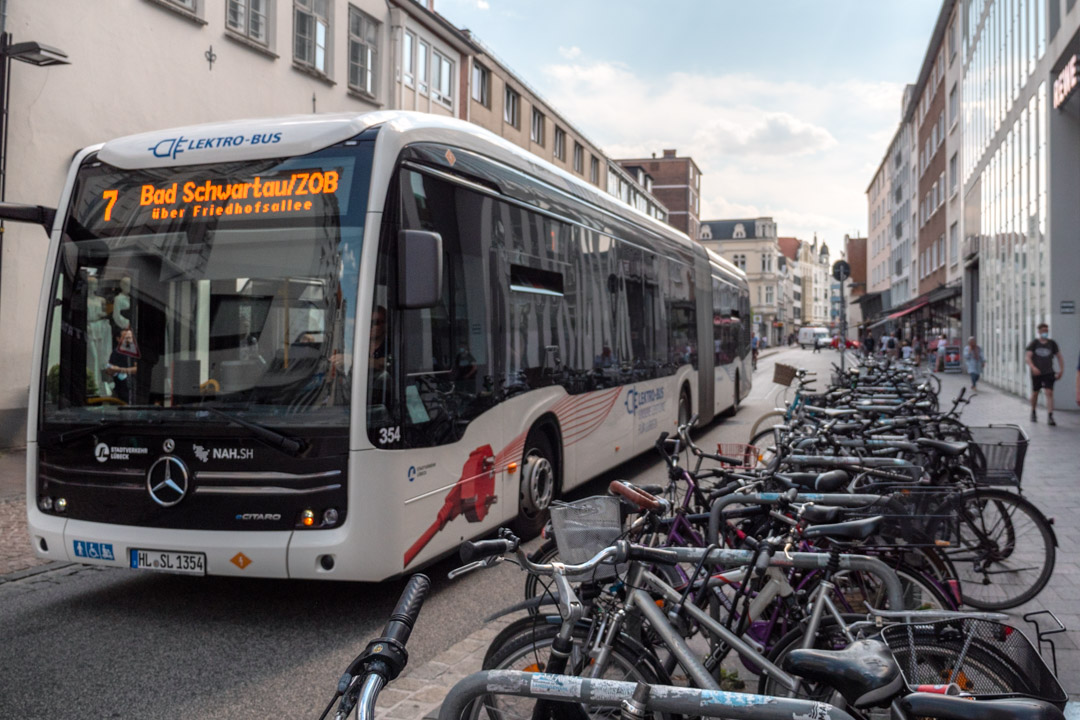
[61,504]
[330,517]
[45,503]
[307,518]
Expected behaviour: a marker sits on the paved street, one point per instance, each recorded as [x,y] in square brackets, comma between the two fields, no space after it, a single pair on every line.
[137,646]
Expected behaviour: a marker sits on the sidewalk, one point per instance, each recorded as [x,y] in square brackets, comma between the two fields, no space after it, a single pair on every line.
[1051,481]
[15,552]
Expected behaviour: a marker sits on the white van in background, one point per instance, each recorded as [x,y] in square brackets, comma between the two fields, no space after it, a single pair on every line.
[808,334]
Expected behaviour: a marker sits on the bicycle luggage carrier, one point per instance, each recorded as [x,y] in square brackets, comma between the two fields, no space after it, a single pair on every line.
[985,659]
[999,454]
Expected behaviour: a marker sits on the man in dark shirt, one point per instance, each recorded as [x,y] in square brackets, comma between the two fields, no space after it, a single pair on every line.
[1040,359]
[122,366]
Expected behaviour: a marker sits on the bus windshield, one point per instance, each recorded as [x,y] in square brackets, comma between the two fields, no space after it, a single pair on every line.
[232,284]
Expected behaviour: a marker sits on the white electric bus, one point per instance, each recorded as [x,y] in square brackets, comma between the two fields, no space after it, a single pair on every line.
[336,346]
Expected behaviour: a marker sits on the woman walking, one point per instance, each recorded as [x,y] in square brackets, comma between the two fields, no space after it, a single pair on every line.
[974,361]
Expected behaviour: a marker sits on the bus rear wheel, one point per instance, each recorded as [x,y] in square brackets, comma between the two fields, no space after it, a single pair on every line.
[538,484]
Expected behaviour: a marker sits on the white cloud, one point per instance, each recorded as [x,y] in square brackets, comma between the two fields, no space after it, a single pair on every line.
[483,4]
[570,53]
[801,152]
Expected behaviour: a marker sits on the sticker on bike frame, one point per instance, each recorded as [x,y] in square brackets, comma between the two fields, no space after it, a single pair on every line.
[610,690]
[555,685]
[504,681]
[733,699]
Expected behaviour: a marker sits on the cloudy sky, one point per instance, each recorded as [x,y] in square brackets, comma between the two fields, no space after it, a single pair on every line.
[786,105]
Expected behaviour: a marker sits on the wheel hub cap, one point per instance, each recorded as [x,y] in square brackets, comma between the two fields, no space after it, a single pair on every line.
[537,484]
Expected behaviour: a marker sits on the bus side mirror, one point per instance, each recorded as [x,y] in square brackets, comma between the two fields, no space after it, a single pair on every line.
[35,214]
[419,269]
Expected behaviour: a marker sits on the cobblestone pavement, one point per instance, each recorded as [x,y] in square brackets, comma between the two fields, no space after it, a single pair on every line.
[1051,480]
[15,552]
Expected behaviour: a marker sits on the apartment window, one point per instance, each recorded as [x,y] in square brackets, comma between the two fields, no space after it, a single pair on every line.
[739,262]
[363,40]
[408,58]
[481,84]
[536,133]
[954,242]
[422,66]
[442,78]
[248,18]
[952,43]
[941,189]
[579,157]
[954,105]
[594,171]
[560,143]
[768,294]
[512,108]
[954,171]
[312,34]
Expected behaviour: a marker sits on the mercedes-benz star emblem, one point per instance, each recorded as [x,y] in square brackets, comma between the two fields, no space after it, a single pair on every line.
[167,481]
[168,446]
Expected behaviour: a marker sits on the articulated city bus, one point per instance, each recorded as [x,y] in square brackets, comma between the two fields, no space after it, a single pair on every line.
[336,346]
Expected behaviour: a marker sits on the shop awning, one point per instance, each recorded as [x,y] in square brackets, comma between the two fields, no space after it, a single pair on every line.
[911,309]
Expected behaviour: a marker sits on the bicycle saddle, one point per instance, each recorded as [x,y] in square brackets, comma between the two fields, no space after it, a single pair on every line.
[817,514]
[943,446]
[864,672]
[951,707]
[852,530]
[830,481]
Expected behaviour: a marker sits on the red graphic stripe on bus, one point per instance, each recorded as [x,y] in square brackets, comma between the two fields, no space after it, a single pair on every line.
[474,493]
[471,496]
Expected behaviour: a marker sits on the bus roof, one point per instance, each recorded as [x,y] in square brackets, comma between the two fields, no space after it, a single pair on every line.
[253,139]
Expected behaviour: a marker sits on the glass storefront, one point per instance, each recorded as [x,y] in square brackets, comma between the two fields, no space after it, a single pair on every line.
[1005,171]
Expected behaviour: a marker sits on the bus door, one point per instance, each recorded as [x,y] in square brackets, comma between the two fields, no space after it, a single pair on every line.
[433,388]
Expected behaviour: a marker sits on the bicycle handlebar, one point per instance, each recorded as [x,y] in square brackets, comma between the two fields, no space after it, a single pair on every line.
[644,500]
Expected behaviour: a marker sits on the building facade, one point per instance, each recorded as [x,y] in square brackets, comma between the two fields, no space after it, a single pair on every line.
[751,245]
[1021,135]
[676,185]
[633,185]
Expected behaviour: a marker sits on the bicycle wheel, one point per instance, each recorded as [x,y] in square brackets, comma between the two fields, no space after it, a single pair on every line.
[855,591]
[1001,545]
[529,652]
[765,442]
[773,417]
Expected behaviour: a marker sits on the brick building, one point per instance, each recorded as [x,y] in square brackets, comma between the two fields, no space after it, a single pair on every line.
[676,184]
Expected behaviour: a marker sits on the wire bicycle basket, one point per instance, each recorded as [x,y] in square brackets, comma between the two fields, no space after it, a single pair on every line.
[585,527]
[998,456]
[784,374]
[985,659]
[750,455]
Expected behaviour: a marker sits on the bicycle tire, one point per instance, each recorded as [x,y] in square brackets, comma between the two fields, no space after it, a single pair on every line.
[920,593]
[763,418]
[629,661]
[978,555]
[765,442]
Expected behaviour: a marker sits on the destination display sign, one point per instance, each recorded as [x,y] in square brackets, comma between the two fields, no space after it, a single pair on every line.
[278,194]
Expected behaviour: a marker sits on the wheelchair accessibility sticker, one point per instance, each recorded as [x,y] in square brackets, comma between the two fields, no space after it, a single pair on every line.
[94,550]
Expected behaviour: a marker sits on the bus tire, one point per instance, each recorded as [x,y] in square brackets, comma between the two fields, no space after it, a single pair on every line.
[538,486]
[686,409]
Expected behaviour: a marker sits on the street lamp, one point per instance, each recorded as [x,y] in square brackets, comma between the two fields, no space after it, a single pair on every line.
[32,53]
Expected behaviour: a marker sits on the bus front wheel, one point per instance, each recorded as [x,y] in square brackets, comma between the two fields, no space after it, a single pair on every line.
[538,484]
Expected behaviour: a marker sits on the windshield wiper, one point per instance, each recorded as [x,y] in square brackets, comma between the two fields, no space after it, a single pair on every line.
[69,436]
[271,437]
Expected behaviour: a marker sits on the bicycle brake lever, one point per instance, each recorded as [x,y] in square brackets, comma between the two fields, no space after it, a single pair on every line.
[475,565]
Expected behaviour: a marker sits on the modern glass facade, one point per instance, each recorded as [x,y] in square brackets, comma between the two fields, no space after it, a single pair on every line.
[1005,131]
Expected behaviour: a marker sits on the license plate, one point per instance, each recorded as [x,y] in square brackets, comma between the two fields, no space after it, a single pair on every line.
[169,561]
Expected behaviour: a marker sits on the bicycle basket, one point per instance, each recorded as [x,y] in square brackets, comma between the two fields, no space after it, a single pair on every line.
[748,454]
[585,527]
[784,374]
[999,454]
[985,659]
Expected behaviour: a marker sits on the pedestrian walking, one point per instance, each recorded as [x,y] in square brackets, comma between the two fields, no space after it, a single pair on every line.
[973,361]
[906,351]
[917,350]
[1040,359]
[817,344]
[939,354]
[890,345]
